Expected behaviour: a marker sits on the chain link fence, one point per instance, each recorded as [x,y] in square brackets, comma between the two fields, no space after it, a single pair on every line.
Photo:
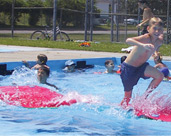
[114,21]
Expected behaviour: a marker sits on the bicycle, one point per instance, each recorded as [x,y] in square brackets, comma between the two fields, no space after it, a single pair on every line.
[48,35]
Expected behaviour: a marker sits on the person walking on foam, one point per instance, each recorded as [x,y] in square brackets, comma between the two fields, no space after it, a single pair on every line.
[135,65]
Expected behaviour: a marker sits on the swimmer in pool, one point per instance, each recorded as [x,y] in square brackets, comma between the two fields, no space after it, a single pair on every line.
[41,60]
[123,58]
[69,66]
[109,64]
[135,65]
[43,74]
[161,66]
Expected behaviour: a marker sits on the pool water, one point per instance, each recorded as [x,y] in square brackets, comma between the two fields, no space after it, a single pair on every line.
[96,114]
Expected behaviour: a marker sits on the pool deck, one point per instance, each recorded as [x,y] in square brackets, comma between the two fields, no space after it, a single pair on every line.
[9,53]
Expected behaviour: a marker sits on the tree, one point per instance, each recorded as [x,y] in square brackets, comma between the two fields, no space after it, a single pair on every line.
[35,14]
[6,8]
[159,7]
[68,11]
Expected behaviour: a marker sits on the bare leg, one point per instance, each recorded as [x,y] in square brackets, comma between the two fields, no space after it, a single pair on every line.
[157,78]
[126,99]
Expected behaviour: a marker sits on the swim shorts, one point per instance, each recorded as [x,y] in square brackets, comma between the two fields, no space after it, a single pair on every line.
[130,75]
[165,71]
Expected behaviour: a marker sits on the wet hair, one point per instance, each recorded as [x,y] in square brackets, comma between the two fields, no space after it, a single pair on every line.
[142,1]
[159,59]
[123,58]
[43,58]
[108,61]
[156,20]
[46,70]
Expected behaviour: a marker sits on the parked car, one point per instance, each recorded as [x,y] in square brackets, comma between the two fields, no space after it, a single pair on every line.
[131,21]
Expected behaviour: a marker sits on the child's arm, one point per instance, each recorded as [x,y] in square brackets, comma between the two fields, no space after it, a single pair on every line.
[135,41]
[157,65]
[143,22]
[26,63]
[52,86]
[37,66]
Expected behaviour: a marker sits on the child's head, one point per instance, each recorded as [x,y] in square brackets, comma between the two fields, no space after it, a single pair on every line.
[157,58]
[123,58]
[42,59]
[155,27]
[156,21]
[43,74]
[142,3]
[69,66]
[109,64]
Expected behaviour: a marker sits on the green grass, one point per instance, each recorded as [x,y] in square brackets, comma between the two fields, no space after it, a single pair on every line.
[23,40]
[102,46]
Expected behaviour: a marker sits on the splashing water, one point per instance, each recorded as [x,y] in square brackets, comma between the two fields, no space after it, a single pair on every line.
[23,76]
[82,98]
[154,104]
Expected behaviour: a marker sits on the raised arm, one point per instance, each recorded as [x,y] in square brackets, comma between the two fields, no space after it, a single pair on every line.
[134,41]
[26,63]
[143,22]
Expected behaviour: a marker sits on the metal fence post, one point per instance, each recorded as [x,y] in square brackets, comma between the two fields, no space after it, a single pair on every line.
[126,12]
[86,20]
[12,19]
[91,20]
[168,37]
[54,19]
[112,19]
[117,22]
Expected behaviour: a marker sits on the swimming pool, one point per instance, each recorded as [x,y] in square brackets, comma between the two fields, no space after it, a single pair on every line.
[100,117]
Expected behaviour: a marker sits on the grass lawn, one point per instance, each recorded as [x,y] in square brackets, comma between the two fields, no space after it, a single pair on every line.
[100,45]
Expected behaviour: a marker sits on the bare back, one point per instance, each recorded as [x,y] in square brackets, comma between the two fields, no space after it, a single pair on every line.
[147,14]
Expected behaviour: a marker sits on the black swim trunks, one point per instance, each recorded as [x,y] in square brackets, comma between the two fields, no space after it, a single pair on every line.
[144,30]
[130,75]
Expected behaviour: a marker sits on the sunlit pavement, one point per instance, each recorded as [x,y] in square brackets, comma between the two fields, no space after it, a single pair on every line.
[10,53]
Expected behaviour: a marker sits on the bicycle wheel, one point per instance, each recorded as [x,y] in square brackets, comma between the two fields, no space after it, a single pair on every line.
[37,35]
[62,36]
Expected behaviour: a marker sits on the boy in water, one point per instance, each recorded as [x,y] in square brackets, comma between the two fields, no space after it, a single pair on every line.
[147,15]
[69,66]
[123,58]
[41,60]
[43,74]
[135,65]
[109,64]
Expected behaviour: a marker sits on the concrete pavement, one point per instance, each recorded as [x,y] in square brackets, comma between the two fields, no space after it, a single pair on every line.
[10,53]
[18,53]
